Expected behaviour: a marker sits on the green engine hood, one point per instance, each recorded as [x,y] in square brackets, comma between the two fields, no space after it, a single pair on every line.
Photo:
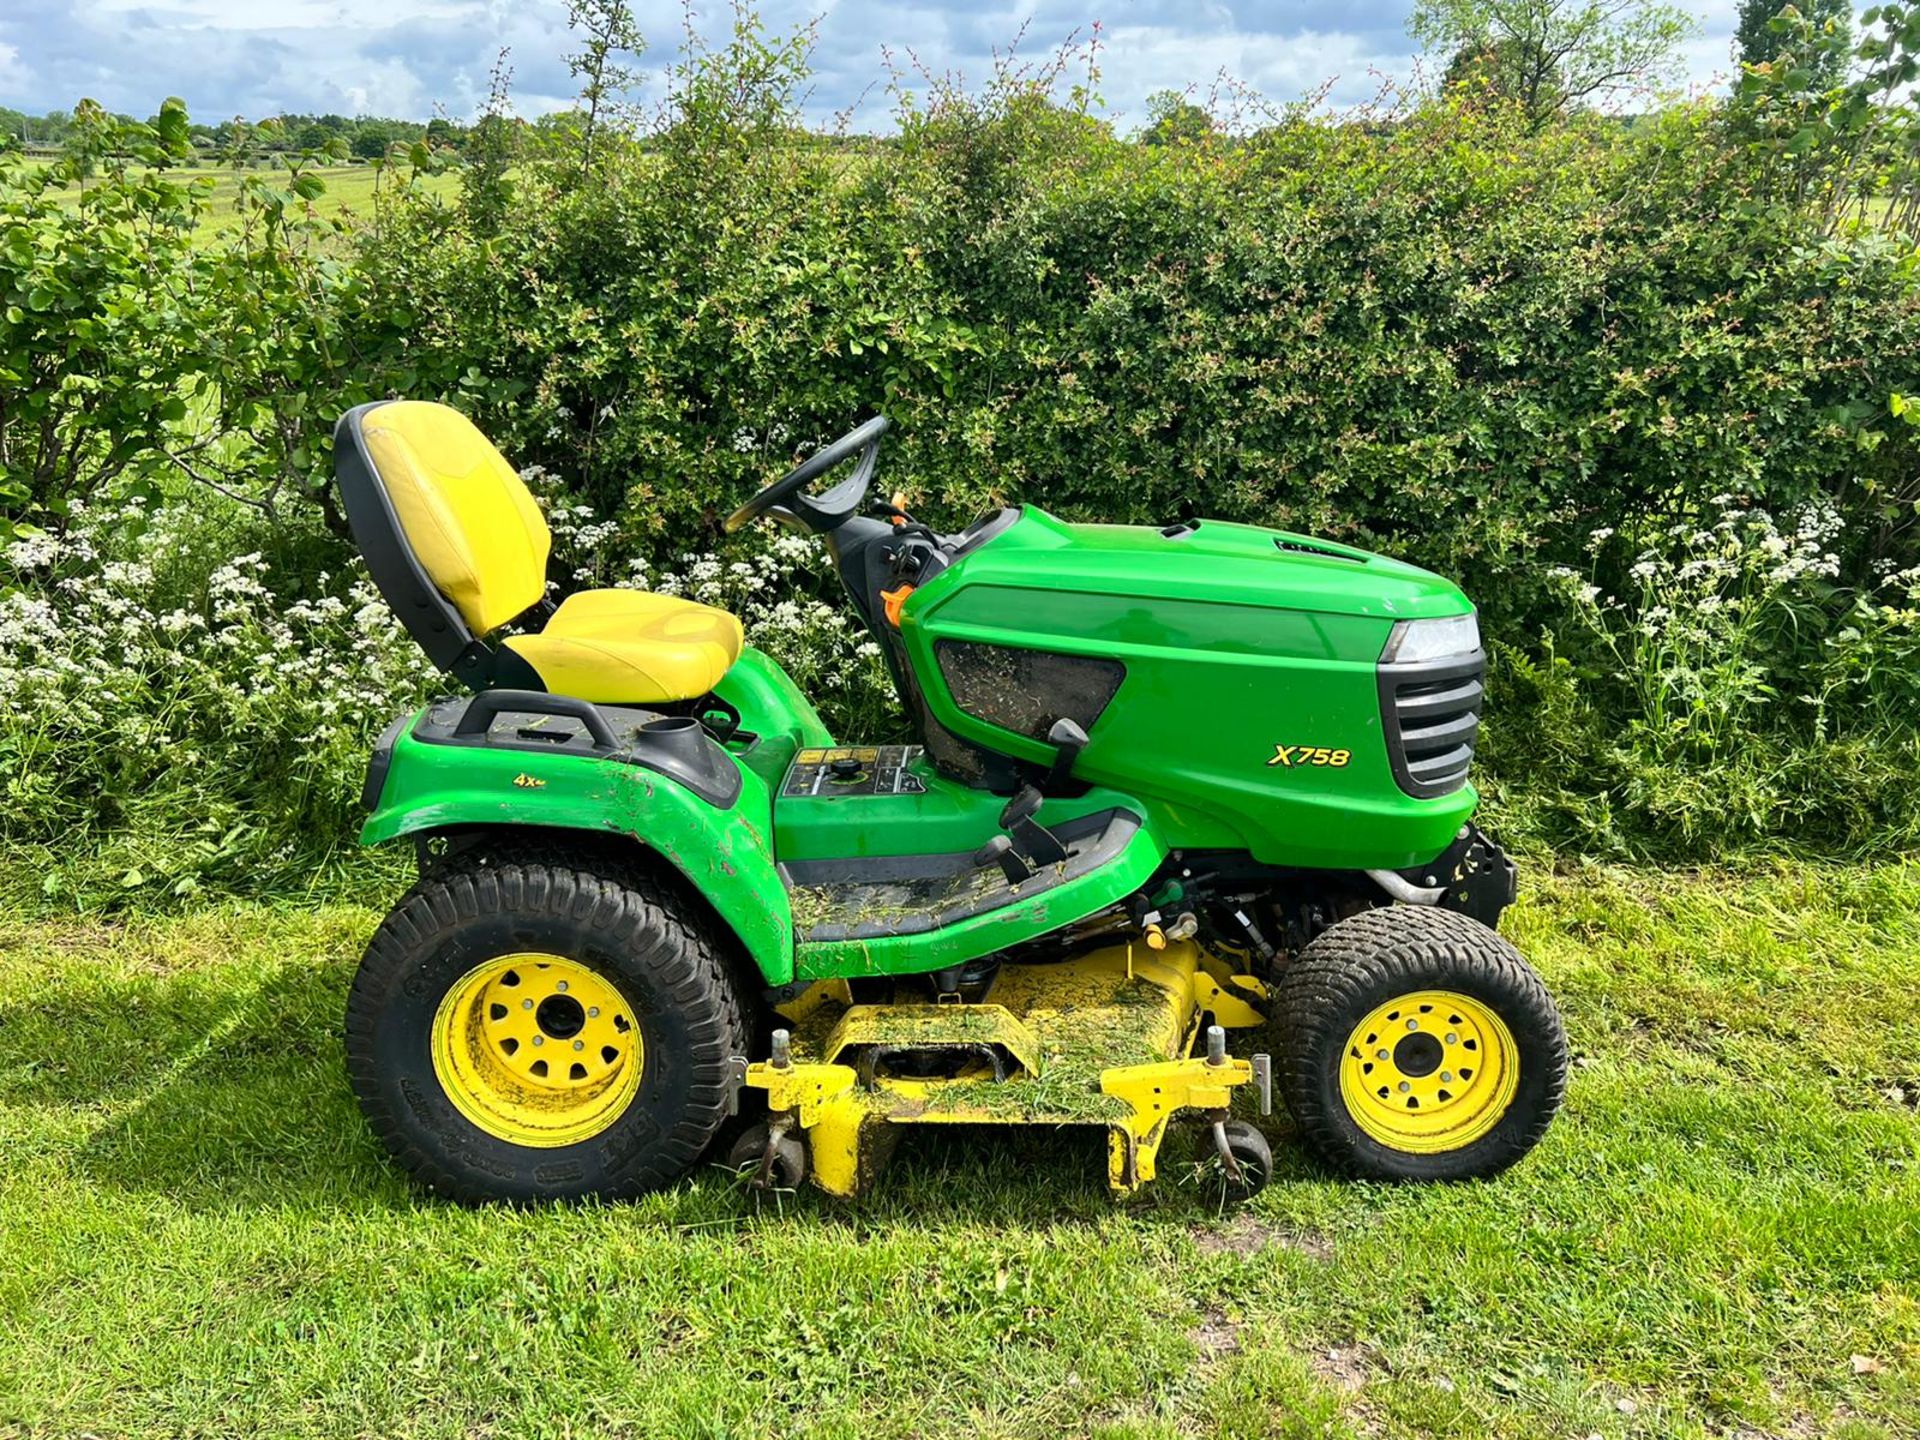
[1237,648]
[1213,561]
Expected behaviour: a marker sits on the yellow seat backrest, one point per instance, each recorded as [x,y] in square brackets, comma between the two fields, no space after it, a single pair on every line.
[468,518]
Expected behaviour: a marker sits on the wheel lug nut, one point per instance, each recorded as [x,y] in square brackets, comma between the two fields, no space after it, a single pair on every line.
[1405,1087]
[560,985]
[526,1004]
[1452,1039]
[1413,1024]
[1447,1075]
[539,1039]
[579,1044]
[593,1012]
[1383,1055]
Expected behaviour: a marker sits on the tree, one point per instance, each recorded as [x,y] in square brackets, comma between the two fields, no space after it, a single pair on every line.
[485,189]
[371,139]
[1172,119]
[1496,70]
[1757,42]
[1555,54]
[610,32]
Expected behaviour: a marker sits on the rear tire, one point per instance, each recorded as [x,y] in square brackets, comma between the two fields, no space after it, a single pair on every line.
[438,1063]
[1418,1045]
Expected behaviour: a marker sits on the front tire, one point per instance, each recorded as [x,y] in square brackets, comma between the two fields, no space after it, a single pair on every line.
[543,1026]
[1419,1045]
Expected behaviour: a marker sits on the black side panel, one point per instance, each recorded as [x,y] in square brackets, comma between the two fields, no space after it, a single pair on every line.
[429,617]
[673,746]
[863,550]
[953,757]
[1027,691]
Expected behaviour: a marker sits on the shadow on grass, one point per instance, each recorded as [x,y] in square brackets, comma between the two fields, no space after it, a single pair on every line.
[98,1042]
[256,1113]
[1007,1175]
[246,1104]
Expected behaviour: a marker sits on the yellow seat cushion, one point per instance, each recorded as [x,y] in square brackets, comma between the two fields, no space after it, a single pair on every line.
[465,513]
[631,647]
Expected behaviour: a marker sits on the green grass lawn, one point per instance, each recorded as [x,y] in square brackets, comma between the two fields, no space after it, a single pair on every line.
[201,1238]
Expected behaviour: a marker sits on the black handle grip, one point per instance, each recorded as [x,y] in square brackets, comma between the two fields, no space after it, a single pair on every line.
[482,709]
[999,851]
[1070,739]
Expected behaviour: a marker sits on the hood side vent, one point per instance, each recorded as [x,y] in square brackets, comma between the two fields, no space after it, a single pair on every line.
[1307,547]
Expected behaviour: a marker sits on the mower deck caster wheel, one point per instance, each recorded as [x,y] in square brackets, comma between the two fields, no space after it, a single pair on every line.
[1252,1157]
[769,1162]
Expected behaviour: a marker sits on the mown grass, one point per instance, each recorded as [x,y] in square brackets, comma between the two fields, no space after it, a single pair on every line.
[201,1237]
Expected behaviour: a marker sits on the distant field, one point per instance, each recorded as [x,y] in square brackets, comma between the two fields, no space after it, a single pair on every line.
[350,191]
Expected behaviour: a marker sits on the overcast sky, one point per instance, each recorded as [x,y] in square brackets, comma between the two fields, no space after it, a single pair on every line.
[405,57]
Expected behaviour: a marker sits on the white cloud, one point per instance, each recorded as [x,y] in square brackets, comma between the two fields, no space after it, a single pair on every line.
[405,57]
[1143,59]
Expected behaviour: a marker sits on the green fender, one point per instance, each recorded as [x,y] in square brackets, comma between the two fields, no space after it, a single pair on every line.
[727,855]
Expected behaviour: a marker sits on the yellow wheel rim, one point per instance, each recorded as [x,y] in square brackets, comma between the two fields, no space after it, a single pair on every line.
[1429,1071]
[537,1049]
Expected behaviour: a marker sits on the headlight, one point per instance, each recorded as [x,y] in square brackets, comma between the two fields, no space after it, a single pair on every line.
[1416,640]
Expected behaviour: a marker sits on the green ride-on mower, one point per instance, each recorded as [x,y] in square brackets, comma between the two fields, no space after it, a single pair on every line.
[1168,783]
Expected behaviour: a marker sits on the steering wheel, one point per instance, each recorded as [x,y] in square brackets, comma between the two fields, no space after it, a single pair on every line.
[822,512]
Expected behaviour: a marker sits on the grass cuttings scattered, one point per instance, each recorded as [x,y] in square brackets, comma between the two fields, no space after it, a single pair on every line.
[1720,1237]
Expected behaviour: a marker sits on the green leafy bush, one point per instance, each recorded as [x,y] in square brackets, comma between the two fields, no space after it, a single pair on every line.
[1453,340]
[1728,695]
[1446,335]
[95,326]
[187,701]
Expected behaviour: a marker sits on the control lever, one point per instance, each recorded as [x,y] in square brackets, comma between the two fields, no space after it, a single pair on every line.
[1068,740]
[1030,837]
[999,851]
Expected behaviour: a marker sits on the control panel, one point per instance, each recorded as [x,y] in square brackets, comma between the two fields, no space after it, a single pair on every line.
[853,770]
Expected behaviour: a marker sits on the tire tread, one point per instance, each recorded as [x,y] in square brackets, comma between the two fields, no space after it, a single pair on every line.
[1353,965]
[631,902]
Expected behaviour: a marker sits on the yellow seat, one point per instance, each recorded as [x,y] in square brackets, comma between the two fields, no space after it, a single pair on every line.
[631,645]
[467,521]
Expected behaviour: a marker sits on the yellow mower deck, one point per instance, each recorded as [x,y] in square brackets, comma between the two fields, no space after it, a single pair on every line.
[1105,1039]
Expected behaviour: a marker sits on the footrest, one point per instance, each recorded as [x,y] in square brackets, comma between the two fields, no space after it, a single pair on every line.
[877,897]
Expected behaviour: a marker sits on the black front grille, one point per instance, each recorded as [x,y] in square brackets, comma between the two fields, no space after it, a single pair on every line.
[1431,712]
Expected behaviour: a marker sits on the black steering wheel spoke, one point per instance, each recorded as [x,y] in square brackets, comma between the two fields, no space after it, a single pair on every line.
[821,513]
